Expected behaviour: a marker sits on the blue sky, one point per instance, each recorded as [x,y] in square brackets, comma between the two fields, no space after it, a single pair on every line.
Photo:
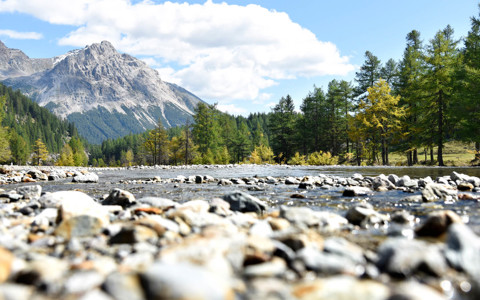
[243,55]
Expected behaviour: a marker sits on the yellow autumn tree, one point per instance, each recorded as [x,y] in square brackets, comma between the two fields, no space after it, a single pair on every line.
[379,118]
[40,152]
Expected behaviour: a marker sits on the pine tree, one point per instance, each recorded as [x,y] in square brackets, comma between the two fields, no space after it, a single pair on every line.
[18,148]
[442,59]
[206,131]
[368,74]
[410,88]
[282,127]
[467,109]
[5,153]
[312,124]
[156,144]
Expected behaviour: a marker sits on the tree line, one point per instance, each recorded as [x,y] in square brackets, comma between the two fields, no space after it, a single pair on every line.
[427,98]
[32,134]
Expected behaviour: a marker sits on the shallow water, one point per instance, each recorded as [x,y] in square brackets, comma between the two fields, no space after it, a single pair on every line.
[330,199]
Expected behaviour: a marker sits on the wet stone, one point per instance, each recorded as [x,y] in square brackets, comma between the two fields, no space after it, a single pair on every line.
[353,191]
[243,202]
[119,197]
[402,258]
[437,223]
[435,192]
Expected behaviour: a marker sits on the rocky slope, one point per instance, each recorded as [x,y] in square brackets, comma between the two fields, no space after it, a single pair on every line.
[105,93]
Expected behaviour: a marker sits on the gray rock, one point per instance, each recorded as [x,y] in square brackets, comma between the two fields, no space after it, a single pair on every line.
[300,216]
[11,291]
[381,182]
[198,179]
[158,202]
[356,191]
[364,214]
[243,202]
[81,282]
[325,263]
[344,248]
[463,250]
[424,181]
[357,177]
[86,178]
[184,281]
[225,182]
[119,197]
[30,191]
[436,192]
[262,228]
[403,258]
[237,181]
[437,223]
[341,287]
[274,268]
[306,185]
[124,286]
[412,290]
[291,181]
[220,207]
[78,214]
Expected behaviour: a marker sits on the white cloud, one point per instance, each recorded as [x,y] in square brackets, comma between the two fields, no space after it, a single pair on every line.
[21,35]
[216,50]
[232,109]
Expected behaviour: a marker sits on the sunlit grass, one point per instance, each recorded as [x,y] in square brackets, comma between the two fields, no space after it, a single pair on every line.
[454,154]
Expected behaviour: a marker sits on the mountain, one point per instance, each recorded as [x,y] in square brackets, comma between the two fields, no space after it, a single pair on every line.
[14,63]
[106,94]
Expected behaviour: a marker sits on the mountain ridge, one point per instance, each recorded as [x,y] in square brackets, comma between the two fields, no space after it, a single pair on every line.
[106,94]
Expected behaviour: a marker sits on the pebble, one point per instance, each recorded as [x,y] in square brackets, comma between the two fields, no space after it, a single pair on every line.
[70,245]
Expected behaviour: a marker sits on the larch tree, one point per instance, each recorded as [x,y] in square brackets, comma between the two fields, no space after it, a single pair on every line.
[380,116]
[40,152]
[441,62]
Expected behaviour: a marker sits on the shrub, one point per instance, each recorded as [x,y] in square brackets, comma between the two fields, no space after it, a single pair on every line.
[321,158]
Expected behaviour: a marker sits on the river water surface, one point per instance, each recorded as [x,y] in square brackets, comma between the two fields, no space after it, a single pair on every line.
[321,198]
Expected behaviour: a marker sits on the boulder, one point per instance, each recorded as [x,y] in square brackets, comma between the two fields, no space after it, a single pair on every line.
[86,178]
[439,192]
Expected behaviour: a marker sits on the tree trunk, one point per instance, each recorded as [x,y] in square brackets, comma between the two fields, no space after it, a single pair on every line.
[440,129]
[409,158]
[431,155]
[415,156]
[477,151]
[384,154]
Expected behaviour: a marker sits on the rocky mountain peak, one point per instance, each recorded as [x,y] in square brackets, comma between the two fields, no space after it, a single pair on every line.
[105,93]
[15,63]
